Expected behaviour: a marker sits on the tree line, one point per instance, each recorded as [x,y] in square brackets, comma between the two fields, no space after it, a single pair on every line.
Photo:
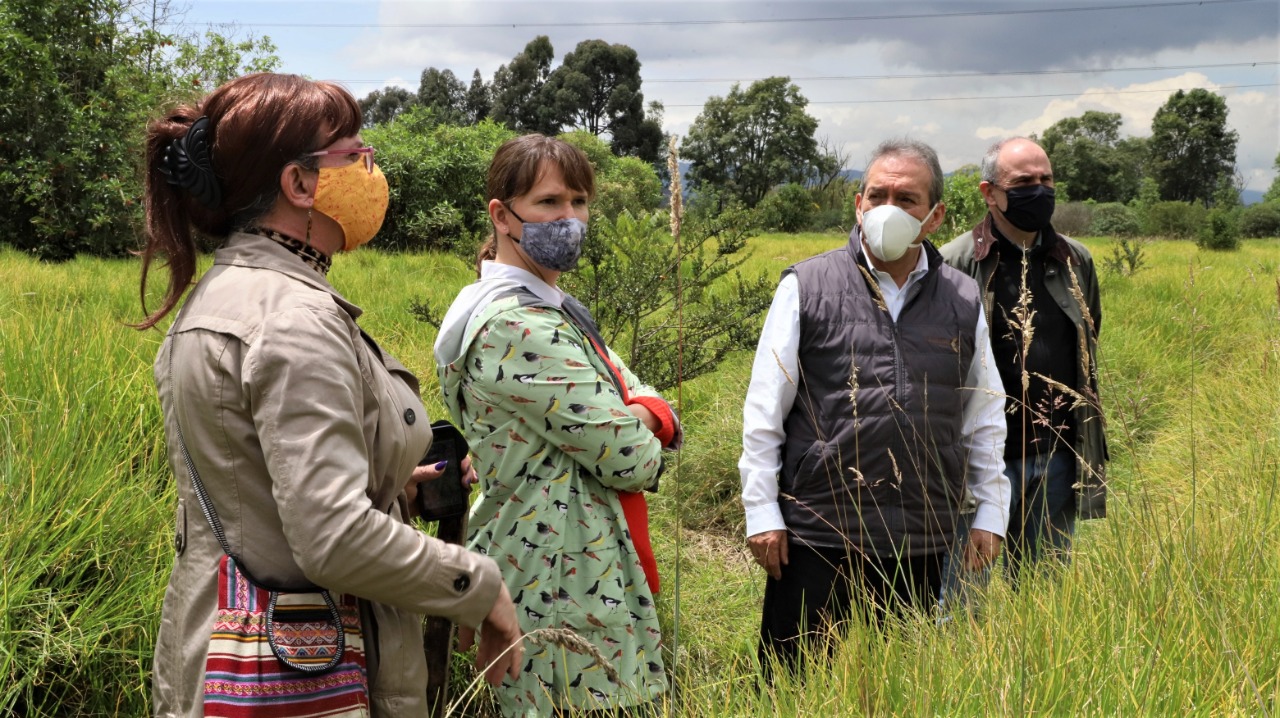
[1190,155]
[596,88]
[79,79]
[743,144]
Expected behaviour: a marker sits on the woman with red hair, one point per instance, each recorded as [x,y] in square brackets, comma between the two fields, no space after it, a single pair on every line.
[292,435]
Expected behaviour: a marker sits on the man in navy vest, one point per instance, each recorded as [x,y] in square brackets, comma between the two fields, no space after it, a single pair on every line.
[873,405]
[1039,284]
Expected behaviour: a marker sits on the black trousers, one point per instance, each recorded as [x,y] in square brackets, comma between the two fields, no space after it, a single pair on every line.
[821,588]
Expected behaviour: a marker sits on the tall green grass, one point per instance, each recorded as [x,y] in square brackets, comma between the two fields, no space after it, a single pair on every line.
[1170,607]
[83,549]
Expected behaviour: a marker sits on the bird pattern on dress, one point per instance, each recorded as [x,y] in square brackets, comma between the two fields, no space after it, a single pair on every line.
[553,443]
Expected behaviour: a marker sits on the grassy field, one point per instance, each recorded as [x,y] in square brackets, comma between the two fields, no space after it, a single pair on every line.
[1171,607]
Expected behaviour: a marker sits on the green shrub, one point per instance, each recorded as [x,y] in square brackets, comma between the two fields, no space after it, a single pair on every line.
[1177,220]
[1073,218]
[1112,219]
[79,81]
[827,220]
[831,199]
[629,185]
[1220,231]
[631,274]
[1261,220]
[1128,256]
[706,205]
[437,174]
[623,184]
[849,211]
[789,208]
[596,149]
[965,204]
[73,107]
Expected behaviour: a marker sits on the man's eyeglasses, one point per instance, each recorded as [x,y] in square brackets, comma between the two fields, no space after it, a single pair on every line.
[367,151]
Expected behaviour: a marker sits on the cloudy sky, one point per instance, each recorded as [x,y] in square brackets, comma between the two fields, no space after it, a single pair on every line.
[954,73]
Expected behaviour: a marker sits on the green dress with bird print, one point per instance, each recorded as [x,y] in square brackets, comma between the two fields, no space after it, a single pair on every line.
[552,444]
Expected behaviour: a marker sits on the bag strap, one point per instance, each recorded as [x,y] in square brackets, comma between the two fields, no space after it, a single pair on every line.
[581,317]
[206,505]
[210,515]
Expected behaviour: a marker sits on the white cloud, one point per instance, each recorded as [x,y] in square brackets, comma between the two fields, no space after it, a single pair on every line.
[1135,103]
[854,113]
[1255,116]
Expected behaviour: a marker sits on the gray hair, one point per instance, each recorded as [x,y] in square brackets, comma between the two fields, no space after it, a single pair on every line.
[990,161]
[903,147]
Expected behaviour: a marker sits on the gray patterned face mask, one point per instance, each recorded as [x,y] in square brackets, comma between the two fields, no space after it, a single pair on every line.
[555,245]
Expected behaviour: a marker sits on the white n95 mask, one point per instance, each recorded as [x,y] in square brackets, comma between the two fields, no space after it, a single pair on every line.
[889,231]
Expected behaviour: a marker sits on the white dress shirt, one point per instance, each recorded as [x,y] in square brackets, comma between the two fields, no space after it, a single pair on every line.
[773,391]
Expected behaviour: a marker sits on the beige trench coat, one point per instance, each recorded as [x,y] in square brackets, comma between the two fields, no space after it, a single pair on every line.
[304,433]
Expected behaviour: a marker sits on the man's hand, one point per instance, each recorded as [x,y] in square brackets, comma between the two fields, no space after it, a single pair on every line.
[501,648]
[770,551]
[982,549]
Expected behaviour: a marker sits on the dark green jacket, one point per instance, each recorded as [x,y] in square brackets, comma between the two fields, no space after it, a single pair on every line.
[977,254]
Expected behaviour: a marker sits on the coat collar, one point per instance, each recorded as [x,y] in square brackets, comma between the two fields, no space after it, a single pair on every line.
[985,239]
[258,252]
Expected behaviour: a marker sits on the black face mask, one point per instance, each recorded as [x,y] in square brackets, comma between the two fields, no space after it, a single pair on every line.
[1030,207]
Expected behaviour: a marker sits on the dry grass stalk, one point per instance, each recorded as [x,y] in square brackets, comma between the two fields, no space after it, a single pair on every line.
[1021,322]
[570,640]
[897,472]
[874,284]
[778,360]
[1078,399]
[677,198]
[853,382]
[563,637]
[1078,295]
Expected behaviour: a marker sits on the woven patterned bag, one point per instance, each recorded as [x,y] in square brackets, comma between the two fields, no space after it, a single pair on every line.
[282,654]
[277,654]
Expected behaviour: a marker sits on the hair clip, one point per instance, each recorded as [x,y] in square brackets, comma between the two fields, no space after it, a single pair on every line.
[188,164]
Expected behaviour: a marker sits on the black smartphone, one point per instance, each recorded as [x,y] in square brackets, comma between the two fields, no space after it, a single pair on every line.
[444,498]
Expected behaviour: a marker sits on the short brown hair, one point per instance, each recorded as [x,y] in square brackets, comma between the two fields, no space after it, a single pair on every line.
[259,124]
[518,165]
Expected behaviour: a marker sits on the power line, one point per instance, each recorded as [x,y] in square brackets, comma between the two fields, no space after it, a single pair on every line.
[934,75]
[749,21]
[928,75]
[1008,97]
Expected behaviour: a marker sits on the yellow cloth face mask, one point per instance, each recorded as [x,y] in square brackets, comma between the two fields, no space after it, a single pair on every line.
[354,198]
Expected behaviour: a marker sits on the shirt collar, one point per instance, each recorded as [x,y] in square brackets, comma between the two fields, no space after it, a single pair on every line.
[490,269]
[922,266]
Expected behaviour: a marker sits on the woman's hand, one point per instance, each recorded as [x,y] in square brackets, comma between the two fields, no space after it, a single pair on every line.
[469,477]
[501,648]
[431,472]
[645,416]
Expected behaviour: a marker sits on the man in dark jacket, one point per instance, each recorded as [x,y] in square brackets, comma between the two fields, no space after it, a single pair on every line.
[872,408]
[1040,295]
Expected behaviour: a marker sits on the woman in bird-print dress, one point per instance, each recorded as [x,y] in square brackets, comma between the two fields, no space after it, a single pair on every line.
[565,438]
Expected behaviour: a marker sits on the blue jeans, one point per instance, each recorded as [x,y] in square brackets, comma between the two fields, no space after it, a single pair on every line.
[1042,520]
